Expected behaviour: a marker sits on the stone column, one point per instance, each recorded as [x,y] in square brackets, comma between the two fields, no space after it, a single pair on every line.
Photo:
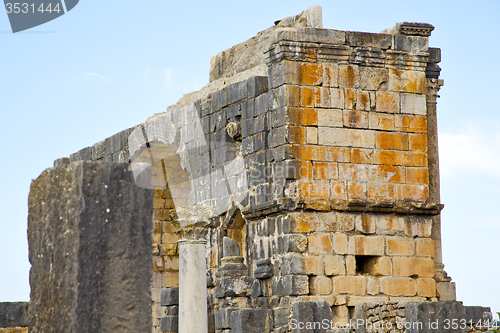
[192,223]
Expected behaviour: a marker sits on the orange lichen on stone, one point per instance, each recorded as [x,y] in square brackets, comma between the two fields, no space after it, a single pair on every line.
[417,175]
[386,140]
[361,156]
[387,101]
[306,97]
[356,190]
[391,173]
[349,76]
[318,153]
[411,123]
[302,116]
[325,170]
[311,74]
[394,157]
[418,142]
[381,191]
[412,192]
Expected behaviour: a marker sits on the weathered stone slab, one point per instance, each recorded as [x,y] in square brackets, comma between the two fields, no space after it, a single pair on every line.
[312,316]
[434,317]
[252,321]
[13,314]
[89,234]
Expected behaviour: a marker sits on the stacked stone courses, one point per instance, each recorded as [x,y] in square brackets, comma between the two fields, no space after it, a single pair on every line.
[321,164]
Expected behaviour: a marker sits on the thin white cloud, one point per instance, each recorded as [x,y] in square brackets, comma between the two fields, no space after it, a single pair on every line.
[167,77]
[98,76]
[474,150]
[147,74]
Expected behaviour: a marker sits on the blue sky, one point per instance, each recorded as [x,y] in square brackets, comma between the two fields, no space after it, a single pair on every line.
[109,65]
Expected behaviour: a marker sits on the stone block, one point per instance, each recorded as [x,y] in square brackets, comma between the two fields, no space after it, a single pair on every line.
[320,285]
[264,269]
[322,98]
[372,77]
[413,103]
[330,118]
[350,264]
[390,224]
[330,75]
[234,287]
[169,324]
[407,81]
[386,140]
[425,247]
[307,97]
[400,246]
[434,312]
[349,285]
[312,135]
[313,265]
[365,224]
[309,313]
[372,286]
[252,321]
[356,190]
[169,297]
[418,142]
[295,243]
[398,286]
[387,101]
[223,318]
[381,121]
[89,233]
[361,156]
[311,74]
[348,76]
[426,287]
[13,314]
[410,123]
[478,314]
[412,192]
[357,172]
[282,316]
[292,263]
[339,241]
[346,137]
[418,226]
[412,44]
[378,266]
[446,291]
[350,98]
[366,245]
[290,285]
[335,265]
[355,118]
[338,190]
[417,175]
[340,315]
[381,192]
[302,116]
[337,98]
[325,170]
[320,243]
[354,38]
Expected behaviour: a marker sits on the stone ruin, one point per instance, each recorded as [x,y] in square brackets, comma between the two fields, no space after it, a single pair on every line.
[301,185]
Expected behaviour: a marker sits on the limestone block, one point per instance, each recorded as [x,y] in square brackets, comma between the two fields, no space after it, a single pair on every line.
[337,98]
[446,291]
[338,190]
[418,226]
[356,190]
[379,266]
[340,314]
[89,231]
[320,285]
[325,170]
[302,116]
[387,101]
[386,140]
[292,263]
[372,286]
[252,321]
[364,101]
[425,247]
[434,312]
[310,312]
[417,175]
[349,285]
[381,192]
[426,287]
[365,224]
[169,296]
[295,243]
[346,137]
[335,265]
[407,81]
[418,142]
[355,38]
[355,118]
[371,78]
[290,285]
[390,224]
[322,98]
[350,98]
[234,286]
[331,75]
[307,97]
[398,286]
[361,156]
[311,73]
[330,118]
[366,245]
[398,246]
[357,172]
[381,121]
[169,324]
[353,300]
[410,123]
[412,192]
[313,265]
[348,76]
[320,243]
[339,243]
[350,264]
[312,135]
[413,103]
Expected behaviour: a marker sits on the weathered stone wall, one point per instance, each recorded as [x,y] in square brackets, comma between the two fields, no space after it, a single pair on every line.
[324,172]
[89,235]
[13,317]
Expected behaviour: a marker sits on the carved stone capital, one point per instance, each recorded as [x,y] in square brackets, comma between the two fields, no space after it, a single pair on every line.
[192,221]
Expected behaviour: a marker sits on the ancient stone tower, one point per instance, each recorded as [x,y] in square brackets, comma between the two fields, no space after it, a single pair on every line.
[309,165]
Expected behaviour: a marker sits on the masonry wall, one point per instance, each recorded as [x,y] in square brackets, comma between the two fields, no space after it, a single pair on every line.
[322,169]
